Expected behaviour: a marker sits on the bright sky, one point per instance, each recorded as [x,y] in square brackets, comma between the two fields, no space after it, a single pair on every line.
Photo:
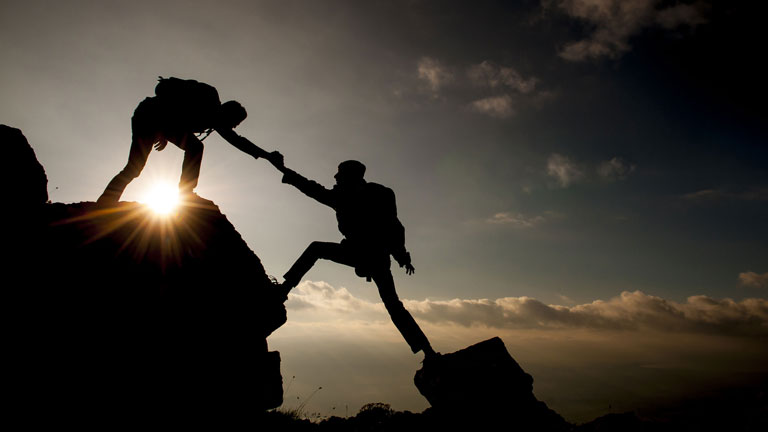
[560,152]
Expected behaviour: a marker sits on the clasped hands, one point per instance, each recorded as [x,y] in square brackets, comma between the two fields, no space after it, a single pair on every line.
[276,158]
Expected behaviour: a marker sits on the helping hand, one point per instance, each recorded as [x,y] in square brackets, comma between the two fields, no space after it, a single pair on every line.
[277,159]
[160,145]
[409,269]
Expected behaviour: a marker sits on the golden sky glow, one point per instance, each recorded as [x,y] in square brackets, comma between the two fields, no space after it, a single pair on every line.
[162,198]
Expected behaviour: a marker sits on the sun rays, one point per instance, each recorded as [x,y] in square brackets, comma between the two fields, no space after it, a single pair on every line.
[162,198]
[158,226]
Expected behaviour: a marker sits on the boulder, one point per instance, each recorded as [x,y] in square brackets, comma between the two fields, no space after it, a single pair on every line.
[483,384]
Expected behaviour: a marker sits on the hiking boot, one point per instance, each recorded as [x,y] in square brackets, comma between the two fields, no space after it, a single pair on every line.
[285,288]
[106,200]
[430,355]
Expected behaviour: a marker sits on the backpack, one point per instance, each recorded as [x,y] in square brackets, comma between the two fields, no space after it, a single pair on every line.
[190,99]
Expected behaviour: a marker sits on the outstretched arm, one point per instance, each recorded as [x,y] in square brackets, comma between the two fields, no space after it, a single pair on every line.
[244,145]
[310,188]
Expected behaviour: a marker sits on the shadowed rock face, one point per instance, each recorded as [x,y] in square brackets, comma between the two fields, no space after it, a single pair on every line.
[119,313]
[124,308]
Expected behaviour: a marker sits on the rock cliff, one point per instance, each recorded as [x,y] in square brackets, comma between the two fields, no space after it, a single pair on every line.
[119,313]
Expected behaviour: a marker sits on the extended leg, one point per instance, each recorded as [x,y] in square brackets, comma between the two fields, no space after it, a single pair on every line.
[316,250]
[137,158]
[402,319]
[193,158]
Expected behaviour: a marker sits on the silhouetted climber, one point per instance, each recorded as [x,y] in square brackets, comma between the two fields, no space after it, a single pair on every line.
[180,109]
[367,217]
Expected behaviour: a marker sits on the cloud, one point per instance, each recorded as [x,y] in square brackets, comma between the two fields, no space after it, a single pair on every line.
[320,296]
[563,169]
[614,22]
[567,171]
[704,195]
[495,106]
[433,73]
[629,311]
[492,75]
[487,88]
[712,195]
[754,194]
[754,280]
[507,84]
[681,14]
[615,169]
[517,220]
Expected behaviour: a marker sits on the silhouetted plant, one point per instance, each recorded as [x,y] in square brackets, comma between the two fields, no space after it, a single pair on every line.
[299,412]
[374,413]
[304,404]
[290,383]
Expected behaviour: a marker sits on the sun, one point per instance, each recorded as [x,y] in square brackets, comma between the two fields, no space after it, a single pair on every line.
[162,198]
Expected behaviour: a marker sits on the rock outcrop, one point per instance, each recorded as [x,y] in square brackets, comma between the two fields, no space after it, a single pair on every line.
[24,177]
[116,313]
[483,385]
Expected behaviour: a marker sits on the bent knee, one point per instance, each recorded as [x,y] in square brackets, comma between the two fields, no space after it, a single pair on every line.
[131,171]
[316,246]
[195,146]
[192,144]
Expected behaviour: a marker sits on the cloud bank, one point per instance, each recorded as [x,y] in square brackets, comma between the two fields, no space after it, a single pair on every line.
[321,296]
[629,311]
[626,312]
[629,350]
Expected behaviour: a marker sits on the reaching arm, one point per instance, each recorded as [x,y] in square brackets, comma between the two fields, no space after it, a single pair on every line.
[244,145]
[310,188]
